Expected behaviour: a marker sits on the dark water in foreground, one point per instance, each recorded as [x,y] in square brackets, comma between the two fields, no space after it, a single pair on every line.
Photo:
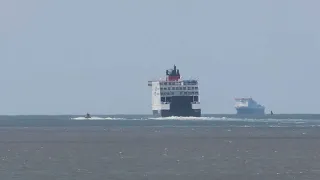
[140,147]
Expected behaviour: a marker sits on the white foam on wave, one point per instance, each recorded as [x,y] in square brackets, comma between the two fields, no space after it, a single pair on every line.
[184,118]
[112,118]
[96,118]
[91,118]
[228,119]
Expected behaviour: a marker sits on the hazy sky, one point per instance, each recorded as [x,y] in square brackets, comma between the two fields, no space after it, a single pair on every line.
[78,56]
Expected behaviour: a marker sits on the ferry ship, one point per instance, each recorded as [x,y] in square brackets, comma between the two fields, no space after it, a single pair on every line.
[175,96]
[248,106]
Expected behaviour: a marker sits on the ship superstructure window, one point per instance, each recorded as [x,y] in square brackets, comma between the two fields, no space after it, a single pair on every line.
[173,88]
[190,82]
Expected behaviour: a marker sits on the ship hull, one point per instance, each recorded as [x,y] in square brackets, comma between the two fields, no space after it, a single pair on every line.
[170,113]
[179,106]
[250,111]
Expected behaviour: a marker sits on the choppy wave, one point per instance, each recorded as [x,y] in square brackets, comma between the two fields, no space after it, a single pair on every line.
[149,120]
[208,121]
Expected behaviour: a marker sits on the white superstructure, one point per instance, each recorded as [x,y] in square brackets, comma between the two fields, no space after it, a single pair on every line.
[163,91]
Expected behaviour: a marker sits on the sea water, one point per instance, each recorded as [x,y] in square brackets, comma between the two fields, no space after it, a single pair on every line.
[142,147]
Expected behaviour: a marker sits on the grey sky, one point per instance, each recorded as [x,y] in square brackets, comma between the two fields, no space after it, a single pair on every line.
[78,56]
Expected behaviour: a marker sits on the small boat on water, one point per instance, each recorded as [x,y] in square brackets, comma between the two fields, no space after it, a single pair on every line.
[88,116]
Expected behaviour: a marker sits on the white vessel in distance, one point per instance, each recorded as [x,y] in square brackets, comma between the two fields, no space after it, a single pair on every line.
[248,106]
[174,96]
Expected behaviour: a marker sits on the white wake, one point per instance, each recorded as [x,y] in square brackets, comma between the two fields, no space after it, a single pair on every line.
[228,119]
[96,118]
[184,118]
